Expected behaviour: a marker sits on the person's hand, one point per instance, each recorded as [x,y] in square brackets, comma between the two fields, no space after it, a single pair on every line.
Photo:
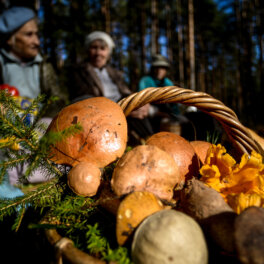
[141,112]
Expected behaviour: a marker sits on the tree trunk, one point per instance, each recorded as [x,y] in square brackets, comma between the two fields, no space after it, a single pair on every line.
[238,56]
[180,43]
[50,41]
[142,26]
[248,84]
[260,26]
[168,30]
[202,65]
[154,28]
[37,4]
[191,44]
[105,9]
[223,87]
[75,7]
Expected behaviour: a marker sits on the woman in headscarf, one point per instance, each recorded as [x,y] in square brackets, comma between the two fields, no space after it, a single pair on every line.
[96,77]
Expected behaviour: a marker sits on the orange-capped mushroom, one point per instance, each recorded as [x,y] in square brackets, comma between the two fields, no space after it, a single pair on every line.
[201,149]
[135,207]
[180,149]
[102,139]
[146,168]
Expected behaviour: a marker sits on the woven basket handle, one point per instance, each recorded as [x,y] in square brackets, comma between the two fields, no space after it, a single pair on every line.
[237,133]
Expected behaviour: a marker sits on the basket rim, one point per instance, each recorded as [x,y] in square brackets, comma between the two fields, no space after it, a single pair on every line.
[237,133]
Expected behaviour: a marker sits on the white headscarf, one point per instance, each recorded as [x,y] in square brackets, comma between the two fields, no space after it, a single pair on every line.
[100,35]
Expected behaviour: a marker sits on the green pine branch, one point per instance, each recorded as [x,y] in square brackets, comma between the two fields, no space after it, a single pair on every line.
[46,195]
[91,229]
[24,143]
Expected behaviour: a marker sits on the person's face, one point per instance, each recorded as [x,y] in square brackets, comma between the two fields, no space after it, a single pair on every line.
[160,72]
[99,53]
[25,42]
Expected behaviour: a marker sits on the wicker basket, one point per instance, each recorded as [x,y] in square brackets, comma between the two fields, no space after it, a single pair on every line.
[238,135]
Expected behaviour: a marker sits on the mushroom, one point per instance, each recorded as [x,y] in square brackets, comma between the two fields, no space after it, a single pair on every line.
[200,201]
[84,179]
[102,139]
[180,149]
[210,210]
[249,235]
[146,168]
[201,148]
[169,236]
[135,207]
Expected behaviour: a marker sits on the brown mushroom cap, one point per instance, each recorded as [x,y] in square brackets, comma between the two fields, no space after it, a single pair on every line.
[146,168]
[180,149]
[201,148]
[103,138]
[84,179]
[135,207]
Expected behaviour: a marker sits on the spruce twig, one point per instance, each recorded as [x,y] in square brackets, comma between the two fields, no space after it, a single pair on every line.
[19,218]
[46,195]
[21,141]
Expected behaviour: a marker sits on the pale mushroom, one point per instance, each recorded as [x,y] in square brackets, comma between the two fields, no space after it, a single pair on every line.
[168,237]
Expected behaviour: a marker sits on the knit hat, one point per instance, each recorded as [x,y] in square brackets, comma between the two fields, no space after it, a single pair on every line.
[14,18]
[159,61]
[100,35]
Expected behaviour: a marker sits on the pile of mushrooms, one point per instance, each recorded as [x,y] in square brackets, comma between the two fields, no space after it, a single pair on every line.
[162,209]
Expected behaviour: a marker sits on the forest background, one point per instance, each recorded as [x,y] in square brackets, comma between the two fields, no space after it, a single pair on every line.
[213,46]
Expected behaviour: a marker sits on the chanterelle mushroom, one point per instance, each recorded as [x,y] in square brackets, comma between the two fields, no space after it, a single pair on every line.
[146,168]
[102,139]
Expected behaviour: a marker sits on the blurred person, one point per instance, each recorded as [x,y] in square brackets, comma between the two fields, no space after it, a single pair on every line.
[21,64]
[163,116]
[96,77]
[158,74]
[23,67]
[188,122]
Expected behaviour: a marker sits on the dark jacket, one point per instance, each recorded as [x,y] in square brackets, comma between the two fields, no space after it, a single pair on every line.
[84,83]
